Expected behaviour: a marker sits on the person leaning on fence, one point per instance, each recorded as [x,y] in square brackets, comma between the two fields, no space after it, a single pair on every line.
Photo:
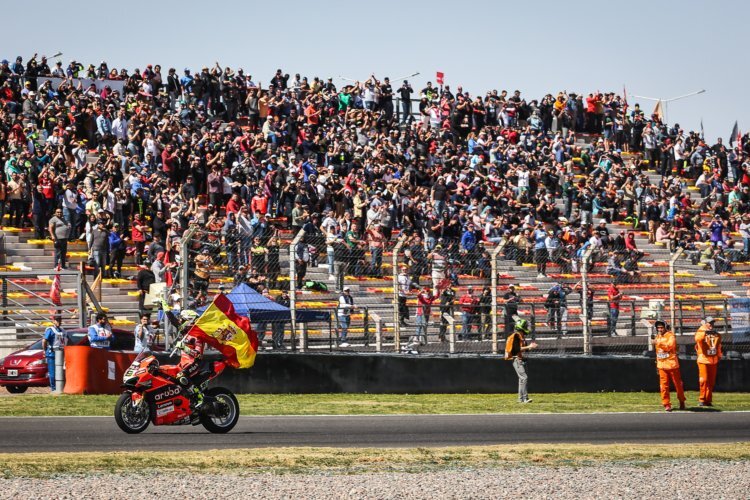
[53,339]
[277,326]
[511,299]
[485,313]
[614,296]
[708,349]
[667,364]
[469,304]
[515,346]
[344,315]
[424,306]
[100,333]
[447,300]
[405,286]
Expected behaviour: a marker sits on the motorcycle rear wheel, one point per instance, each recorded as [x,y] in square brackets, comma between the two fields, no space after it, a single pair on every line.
[225,412]
[131,418]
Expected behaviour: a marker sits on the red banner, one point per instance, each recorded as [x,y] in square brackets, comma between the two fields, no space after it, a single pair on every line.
[439,76]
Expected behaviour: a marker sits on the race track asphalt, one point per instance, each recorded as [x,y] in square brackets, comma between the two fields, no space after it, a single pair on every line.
[34,434]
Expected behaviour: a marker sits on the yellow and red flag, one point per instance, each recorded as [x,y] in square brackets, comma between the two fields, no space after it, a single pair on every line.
[227,332]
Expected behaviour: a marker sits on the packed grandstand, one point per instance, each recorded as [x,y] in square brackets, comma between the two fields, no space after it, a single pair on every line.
[135,158]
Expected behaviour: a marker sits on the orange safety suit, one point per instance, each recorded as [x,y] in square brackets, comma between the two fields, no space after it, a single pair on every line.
[668,367]
[708,348]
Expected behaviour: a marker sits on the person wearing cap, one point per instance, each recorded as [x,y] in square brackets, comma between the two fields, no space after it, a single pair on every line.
[469,303]
[447,301]
[540,251]
[405,286]
[515,346]
[667,364]
[708,349]
[424,309]
[614,296]
[53,340]
[344,314]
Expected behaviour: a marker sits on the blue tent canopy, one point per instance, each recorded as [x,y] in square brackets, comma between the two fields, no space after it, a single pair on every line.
[248,302]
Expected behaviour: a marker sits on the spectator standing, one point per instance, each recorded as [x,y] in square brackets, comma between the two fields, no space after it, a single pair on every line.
[540,251]
[667,364]
[484,309]
[59,231]
[404,288]
[511,299]
[277,327]
[424,307]
[344,315]
[515,346]
[100,333]
[117,249]
[708,349]
[376,240]
[138,235]
[469,304]
[144,279]
[144,335]
[99,246]
[614,296]
[447,300]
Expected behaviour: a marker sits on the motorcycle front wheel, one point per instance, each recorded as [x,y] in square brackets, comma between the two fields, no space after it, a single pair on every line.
[132,418]
[224,411]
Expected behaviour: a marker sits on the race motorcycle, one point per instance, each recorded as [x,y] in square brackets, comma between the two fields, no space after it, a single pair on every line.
[153,394]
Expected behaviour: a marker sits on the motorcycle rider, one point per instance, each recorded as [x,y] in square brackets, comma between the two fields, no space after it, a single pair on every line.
[191,348]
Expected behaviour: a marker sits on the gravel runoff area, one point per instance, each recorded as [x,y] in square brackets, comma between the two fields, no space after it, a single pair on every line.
[666,479]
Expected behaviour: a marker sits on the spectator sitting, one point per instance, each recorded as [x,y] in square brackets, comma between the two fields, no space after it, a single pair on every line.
[100,333]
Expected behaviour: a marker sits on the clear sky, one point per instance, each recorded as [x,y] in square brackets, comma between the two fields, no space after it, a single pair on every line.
[655,48]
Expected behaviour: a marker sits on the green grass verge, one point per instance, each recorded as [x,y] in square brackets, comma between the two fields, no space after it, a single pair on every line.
[382,404]
[349,461]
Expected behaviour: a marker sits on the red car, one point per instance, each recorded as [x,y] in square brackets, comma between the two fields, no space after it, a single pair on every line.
[28,367]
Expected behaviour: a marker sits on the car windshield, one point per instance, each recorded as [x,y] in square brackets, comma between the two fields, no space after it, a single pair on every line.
[36,346]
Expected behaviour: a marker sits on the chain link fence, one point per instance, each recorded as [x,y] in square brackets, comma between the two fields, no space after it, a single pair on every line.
[414,296]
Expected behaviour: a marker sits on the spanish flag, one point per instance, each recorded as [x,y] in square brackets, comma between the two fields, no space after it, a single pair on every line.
[227,332]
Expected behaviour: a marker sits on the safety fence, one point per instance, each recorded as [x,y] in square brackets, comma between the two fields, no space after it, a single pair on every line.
[415,296]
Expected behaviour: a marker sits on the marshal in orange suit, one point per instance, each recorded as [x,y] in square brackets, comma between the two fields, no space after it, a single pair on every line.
[668,365]
[708,348]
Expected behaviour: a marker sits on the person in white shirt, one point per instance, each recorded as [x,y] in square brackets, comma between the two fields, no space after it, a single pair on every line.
[144,335]
[120,126]
[344,314]
[404,287]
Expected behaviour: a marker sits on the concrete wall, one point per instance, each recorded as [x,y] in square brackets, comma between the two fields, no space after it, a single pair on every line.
[323,373]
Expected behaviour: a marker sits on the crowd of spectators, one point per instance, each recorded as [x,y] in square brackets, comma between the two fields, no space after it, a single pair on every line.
[129,171]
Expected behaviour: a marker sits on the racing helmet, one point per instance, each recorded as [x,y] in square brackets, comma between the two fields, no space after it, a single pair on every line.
[522,325]
[188,315]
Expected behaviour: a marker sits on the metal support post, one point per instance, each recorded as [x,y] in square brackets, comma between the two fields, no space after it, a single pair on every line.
[293,280]
[493,261]
[185,270]
[378,331]
[451,332]
[81,300]
[302,338]
[59,369]
[672,260]
[394,273]
[585,302]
